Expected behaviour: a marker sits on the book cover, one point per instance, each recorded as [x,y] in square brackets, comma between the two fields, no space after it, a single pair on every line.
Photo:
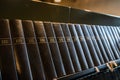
[7,59]
[33,51]
[20,50]
[45,52]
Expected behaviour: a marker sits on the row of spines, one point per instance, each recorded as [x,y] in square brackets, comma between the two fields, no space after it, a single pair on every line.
[54,49]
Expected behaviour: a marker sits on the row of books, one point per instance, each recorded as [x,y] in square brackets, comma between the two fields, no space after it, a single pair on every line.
[36,50]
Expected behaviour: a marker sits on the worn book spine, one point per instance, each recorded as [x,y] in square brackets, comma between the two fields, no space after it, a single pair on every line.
[84,56]
[57,59]
[107,42]
[45,52]
[100,44]
[71,47]
[20,50]
[92,36]
[7,60]
[111,41]
[104,43]
[63,49]
[90,44]
[33,51]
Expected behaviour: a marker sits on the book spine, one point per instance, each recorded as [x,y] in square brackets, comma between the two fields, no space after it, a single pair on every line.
[20,51]
[111,41]
[107,42]
[100,44]
[57,59]
[116,36]
[85,61]
[104,43]
[63,49]
[33,51]
[95,43]
[7,60]
[0,75]
[90,45]
[71,47]
[45,52]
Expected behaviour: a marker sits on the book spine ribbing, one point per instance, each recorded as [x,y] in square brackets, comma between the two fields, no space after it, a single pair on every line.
[45,52]
[63,49]
[100,44]
[33,51]
[90,46]
[20,51]
[71,47]
[57,59]
[85,61]
[7,59]
[95,43]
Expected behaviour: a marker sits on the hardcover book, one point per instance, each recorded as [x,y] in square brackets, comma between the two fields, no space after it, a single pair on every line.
[63,49]
[20,50]
[33,51]
[57,59]
[7,59]
[100,44]
[71,47]
[45,52]
[90,45]
[81,46]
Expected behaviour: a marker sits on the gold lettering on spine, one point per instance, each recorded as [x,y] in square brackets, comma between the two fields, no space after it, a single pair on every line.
[51,40]
[81,38]
[42,40]
[68,39]
[5,41]
[60,39]
[19,40]
[75,39]
[30,40]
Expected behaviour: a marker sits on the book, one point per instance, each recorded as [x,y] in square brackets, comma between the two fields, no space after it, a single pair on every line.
[107,42]
[0,75]
[7,59]
[95,43]
[90,45]
[56,56]
[100,44]
[71,47]
[63,49]
[104,43]
[111,41]
[116,34]
[45,53]
[33,51]
[84,56]
[20,50]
